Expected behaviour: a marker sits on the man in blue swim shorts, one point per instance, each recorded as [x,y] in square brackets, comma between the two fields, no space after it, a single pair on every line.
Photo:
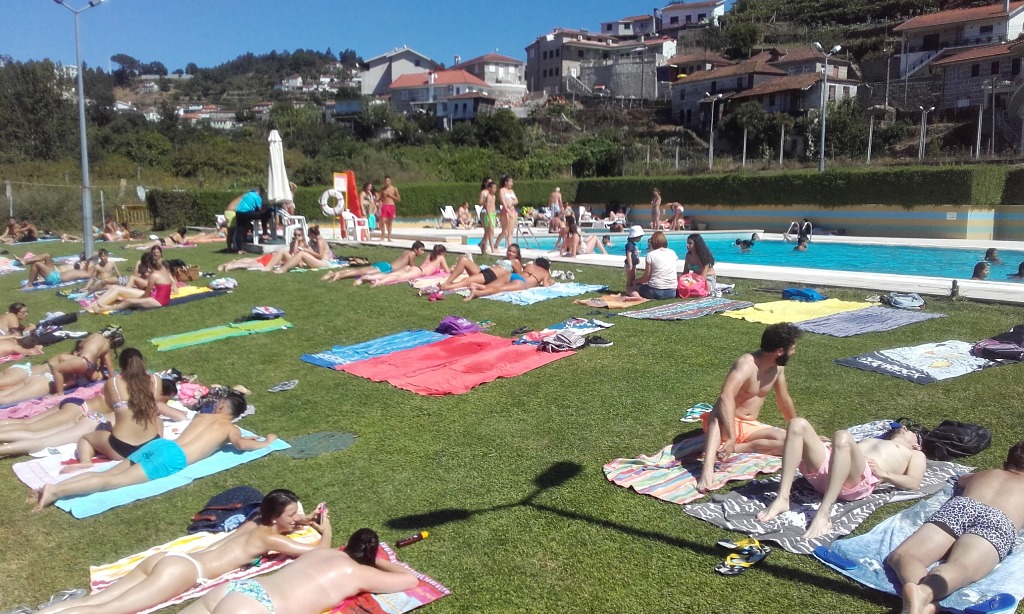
[968,536]
[206,434]
[43,270]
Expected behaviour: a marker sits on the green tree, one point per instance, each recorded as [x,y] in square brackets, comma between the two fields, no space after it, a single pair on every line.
[741,36]
[595,156]
[749,121]
[501,130]
[37,119]
[131,136]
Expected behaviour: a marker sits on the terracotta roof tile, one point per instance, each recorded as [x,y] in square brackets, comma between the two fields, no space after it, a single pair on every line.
[957,16]
[756,64]
[977,53]
[780,84]
[698,56]
[441,77]
[489,57]
[693,5]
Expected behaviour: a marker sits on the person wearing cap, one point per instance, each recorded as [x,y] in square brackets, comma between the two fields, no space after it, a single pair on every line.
[633,253]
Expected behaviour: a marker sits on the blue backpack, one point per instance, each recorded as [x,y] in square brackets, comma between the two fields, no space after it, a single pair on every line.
[903,300]
[265,313]
[805,295]
[228,510]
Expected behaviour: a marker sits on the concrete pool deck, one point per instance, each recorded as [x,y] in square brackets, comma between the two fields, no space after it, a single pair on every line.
[464,241]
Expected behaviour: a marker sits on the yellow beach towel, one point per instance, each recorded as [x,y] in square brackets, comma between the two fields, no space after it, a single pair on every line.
[793,311]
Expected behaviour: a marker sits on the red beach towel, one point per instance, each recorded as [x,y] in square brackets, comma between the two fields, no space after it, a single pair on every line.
[452,366]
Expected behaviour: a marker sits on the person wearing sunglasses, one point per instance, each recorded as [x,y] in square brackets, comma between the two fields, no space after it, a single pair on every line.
[844,469]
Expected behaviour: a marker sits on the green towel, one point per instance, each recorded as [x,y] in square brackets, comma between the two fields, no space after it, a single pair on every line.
[206,335]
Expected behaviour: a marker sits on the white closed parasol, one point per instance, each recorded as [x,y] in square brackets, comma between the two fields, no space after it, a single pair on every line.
[278,190]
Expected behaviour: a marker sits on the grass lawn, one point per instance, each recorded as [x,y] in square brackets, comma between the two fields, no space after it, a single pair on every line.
[508,476]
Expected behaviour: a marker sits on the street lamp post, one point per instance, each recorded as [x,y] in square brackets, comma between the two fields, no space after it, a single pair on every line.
[87,234]
[824,102]
[924,131]
[711,136]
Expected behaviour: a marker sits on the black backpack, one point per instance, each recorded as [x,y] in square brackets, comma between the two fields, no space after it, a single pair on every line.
[953,439]
[227,511]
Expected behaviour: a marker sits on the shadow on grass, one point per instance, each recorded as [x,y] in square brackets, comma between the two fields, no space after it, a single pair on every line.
[561,472]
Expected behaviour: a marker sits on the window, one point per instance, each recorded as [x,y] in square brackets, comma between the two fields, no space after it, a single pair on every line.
[771,100]
[458,91]
[604,55]
[544,73]
[682,93]
[975,70]
[580,54]
[714,86]
[491,67]
[673,20]
[689,19]
[1015,67]
[739,83]
[417,62]
[792,70]
[805,69]
[558,71]
[985,30]
[544,55]
[995,67]
[627,26]
[846,91]
[608,28]
[831,92]
[405,94]
[451,90]
[702,16]
[558,53]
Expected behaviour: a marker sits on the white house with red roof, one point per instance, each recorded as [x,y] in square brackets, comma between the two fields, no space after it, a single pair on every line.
[506,76]
[680,15]
[933,35]
[380,72]
[425,90]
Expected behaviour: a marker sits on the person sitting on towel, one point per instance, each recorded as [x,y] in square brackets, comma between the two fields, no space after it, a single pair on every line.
[159,288]
[535,274]
[160,457]
[845,469]
[165,575]
[400,264]
[482,274]
[968,536]
[732,425]
[316,582]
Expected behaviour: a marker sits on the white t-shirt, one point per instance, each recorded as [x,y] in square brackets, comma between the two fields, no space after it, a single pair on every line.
[661,263]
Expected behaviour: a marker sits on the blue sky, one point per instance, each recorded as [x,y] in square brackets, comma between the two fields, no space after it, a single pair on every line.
[210,32]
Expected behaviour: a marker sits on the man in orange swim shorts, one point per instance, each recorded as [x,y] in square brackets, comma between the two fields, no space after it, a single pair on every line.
[732,426]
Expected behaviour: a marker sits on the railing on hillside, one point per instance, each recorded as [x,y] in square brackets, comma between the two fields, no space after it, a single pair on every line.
[919,63]
[1009,130]
[575,86]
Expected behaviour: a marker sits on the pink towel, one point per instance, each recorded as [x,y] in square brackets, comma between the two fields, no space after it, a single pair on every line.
[452,366]
[27,409]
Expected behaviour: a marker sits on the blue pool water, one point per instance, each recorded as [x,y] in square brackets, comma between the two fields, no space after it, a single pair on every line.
[901,260]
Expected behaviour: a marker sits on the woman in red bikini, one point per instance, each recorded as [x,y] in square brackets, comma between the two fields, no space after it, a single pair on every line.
[159,286]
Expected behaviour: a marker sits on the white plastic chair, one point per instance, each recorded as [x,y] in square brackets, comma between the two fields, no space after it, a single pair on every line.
[448,215]
[292,222]
[479,215]
[356,228]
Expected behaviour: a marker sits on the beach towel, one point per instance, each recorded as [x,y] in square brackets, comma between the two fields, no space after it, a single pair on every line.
[9,267]
[580,326]
[427,590]
[869,552]
[737,510]
[197,294]
[45,286]
[870,320]
[346,354]
[793,311]
[454,365]
[216,333]
[31,407]
[11,358]
[921,364]
[536,295]
[611,301]
[687,310]
[432,282]
[671,473]
[38,472]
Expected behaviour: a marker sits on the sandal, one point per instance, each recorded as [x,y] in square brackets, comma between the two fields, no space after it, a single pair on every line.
[283,386]
[738,562]
[60,596]
[693,415]
[742,545]
[522,330]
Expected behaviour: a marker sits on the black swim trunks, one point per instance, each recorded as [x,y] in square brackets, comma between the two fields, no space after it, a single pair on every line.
[489,276]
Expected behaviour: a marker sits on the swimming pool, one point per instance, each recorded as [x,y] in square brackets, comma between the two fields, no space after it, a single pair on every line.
[867,258]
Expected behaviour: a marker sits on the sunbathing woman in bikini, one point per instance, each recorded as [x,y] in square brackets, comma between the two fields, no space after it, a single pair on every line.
[21,346]
[159,287]
[13,323]
[400,264]
[89,362]
[316,582]
[270,260]
[316,256]
[500,271]
[431,265]
[164,576]
[72,420]
[132,396]
[534,274]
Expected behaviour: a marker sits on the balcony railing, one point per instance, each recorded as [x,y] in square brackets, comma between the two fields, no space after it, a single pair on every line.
[990,39]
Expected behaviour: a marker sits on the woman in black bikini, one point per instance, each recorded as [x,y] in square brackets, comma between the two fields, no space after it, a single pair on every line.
[136,415]
[26,381]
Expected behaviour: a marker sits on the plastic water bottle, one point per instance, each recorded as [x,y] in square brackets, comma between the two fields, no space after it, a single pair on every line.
[412,539]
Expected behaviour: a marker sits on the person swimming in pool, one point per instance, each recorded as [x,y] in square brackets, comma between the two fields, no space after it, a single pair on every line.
[746,244]
[160,458]
[163,576]
[992,256]
[981,271]
[316,582]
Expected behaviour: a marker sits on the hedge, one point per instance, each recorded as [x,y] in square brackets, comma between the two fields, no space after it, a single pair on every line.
[903,186]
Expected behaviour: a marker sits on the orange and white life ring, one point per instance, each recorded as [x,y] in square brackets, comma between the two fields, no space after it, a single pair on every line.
[325,202]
